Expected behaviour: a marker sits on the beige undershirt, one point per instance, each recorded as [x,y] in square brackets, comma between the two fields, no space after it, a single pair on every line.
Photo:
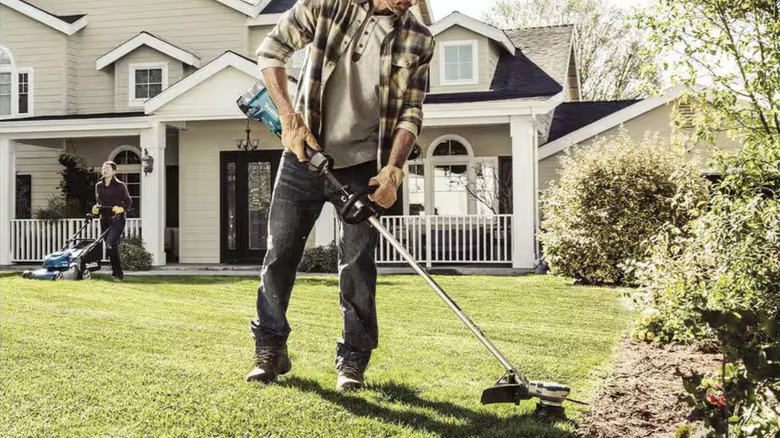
[350,104]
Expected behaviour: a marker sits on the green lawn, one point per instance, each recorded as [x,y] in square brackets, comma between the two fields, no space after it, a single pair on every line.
[166,357]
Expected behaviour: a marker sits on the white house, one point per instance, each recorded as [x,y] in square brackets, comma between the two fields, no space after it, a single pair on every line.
[122,80]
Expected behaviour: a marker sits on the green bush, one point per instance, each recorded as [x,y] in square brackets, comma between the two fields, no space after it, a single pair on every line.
[57,207]
[320,259]
[611,198]
[719,276]
[134,255]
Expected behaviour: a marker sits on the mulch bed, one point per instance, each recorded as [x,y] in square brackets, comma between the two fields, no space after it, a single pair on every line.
[639,399]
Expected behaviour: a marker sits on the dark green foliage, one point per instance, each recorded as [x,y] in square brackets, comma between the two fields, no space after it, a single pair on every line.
[134,255]
[320,259]
[77,185]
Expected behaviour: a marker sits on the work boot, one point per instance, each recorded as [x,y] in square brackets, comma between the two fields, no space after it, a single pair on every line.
[350,377]
[351,367]
[269,363]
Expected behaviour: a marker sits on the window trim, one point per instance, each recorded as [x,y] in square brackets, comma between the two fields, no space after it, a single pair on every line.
[475,62]
[30,91]
[131,99]
[14,71]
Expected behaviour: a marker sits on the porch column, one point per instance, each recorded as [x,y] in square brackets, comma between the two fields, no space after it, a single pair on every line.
[523,133]
[7,196]
[153,194]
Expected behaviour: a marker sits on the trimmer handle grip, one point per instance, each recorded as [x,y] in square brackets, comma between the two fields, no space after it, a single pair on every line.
[319,161]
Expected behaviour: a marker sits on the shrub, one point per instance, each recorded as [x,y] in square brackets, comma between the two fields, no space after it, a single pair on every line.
[320,259]
[134,255]
[611,198]
[719,276]
[77,184]
[57,207]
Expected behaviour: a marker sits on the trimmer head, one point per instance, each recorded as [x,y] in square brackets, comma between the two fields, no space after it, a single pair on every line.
[511,388]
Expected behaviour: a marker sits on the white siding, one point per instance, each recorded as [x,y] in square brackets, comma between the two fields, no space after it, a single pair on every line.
[36,45]
[199,184]
[41,163]
[204,26]
[487,141]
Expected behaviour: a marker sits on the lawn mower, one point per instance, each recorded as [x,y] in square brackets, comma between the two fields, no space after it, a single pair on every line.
[356,208]
[77,259]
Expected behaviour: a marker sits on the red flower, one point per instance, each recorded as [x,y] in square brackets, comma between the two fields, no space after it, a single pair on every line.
[716,400]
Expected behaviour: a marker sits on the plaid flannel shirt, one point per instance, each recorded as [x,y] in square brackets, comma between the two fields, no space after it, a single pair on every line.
[328,27]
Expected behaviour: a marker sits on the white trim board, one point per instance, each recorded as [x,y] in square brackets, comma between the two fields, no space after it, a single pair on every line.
[474,25]
[147,39]
[249,9]
[46,18]
[609,122]
[227,59]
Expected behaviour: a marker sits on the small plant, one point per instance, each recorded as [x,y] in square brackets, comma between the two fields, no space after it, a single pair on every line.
[684,431]
[320,259]
[134,255]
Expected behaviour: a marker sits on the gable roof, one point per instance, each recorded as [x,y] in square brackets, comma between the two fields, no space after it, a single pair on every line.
[474,25]
[147,39]
[278,6]
[548,47]
[571,116]
[609,121]
[538,68]
[67,24]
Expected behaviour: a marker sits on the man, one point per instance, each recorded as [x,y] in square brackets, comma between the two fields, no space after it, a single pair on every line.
[111,192]
[359,98]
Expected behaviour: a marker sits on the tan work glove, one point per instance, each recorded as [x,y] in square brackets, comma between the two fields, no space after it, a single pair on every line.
[118,210]
[388,180]
[295,135]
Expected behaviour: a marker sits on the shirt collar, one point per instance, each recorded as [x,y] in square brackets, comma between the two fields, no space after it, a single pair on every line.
[402,19]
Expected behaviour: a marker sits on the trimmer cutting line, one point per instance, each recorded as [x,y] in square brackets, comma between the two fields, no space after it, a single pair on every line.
[513,386]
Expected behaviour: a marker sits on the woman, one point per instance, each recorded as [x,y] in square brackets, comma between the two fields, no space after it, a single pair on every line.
[111,192]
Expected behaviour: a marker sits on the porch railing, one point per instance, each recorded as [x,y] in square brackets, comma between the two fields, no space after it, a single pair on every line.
[34,239]
[447,240]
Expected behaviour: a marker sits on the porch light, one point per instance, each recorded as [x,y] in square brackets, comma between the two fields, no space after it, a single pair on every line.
[247,143]
[147,162]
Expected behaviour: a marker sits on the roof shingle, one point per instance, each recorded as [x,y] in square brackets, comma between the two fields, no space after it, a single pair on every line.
[571,116]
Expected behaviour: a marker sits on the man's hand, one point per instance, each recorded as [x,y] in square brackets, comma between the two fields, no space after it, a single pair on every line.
[388,181]
[296,135]
[118,210]
[95,210]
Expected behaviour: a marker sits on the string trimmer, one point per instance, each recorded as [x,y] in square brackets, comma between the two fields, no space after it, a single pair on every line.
[513,386]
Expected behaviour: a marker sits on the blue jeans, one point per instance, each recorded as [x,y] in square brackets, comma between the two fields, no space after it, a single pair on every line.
[298,197]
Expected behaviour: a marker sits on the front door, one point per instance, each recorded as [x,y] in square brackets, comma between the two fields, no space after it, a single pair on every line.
[247,180]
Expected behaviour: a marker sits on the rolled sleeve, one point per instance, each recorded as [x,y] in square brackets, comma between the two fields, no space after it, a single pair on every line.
[294,31]
[411,115]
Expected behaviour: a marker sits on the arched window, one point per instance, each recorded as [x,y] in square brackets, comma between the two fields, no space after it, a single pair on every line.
[15,87]
[128,170]
[450,160]
[451,181]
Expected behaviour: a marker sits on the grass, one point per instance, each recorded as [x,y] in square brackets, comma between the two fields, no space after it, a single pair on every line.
[166,357]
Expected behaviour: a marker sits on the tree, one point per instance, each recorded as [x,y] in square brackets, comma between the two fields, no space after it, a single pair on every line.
[722,278]
[607,49]
[731,47]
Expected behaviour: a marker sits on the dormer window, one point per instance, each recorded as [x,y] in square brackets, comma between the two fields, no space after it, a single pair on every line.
[146,82]
[458,60]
